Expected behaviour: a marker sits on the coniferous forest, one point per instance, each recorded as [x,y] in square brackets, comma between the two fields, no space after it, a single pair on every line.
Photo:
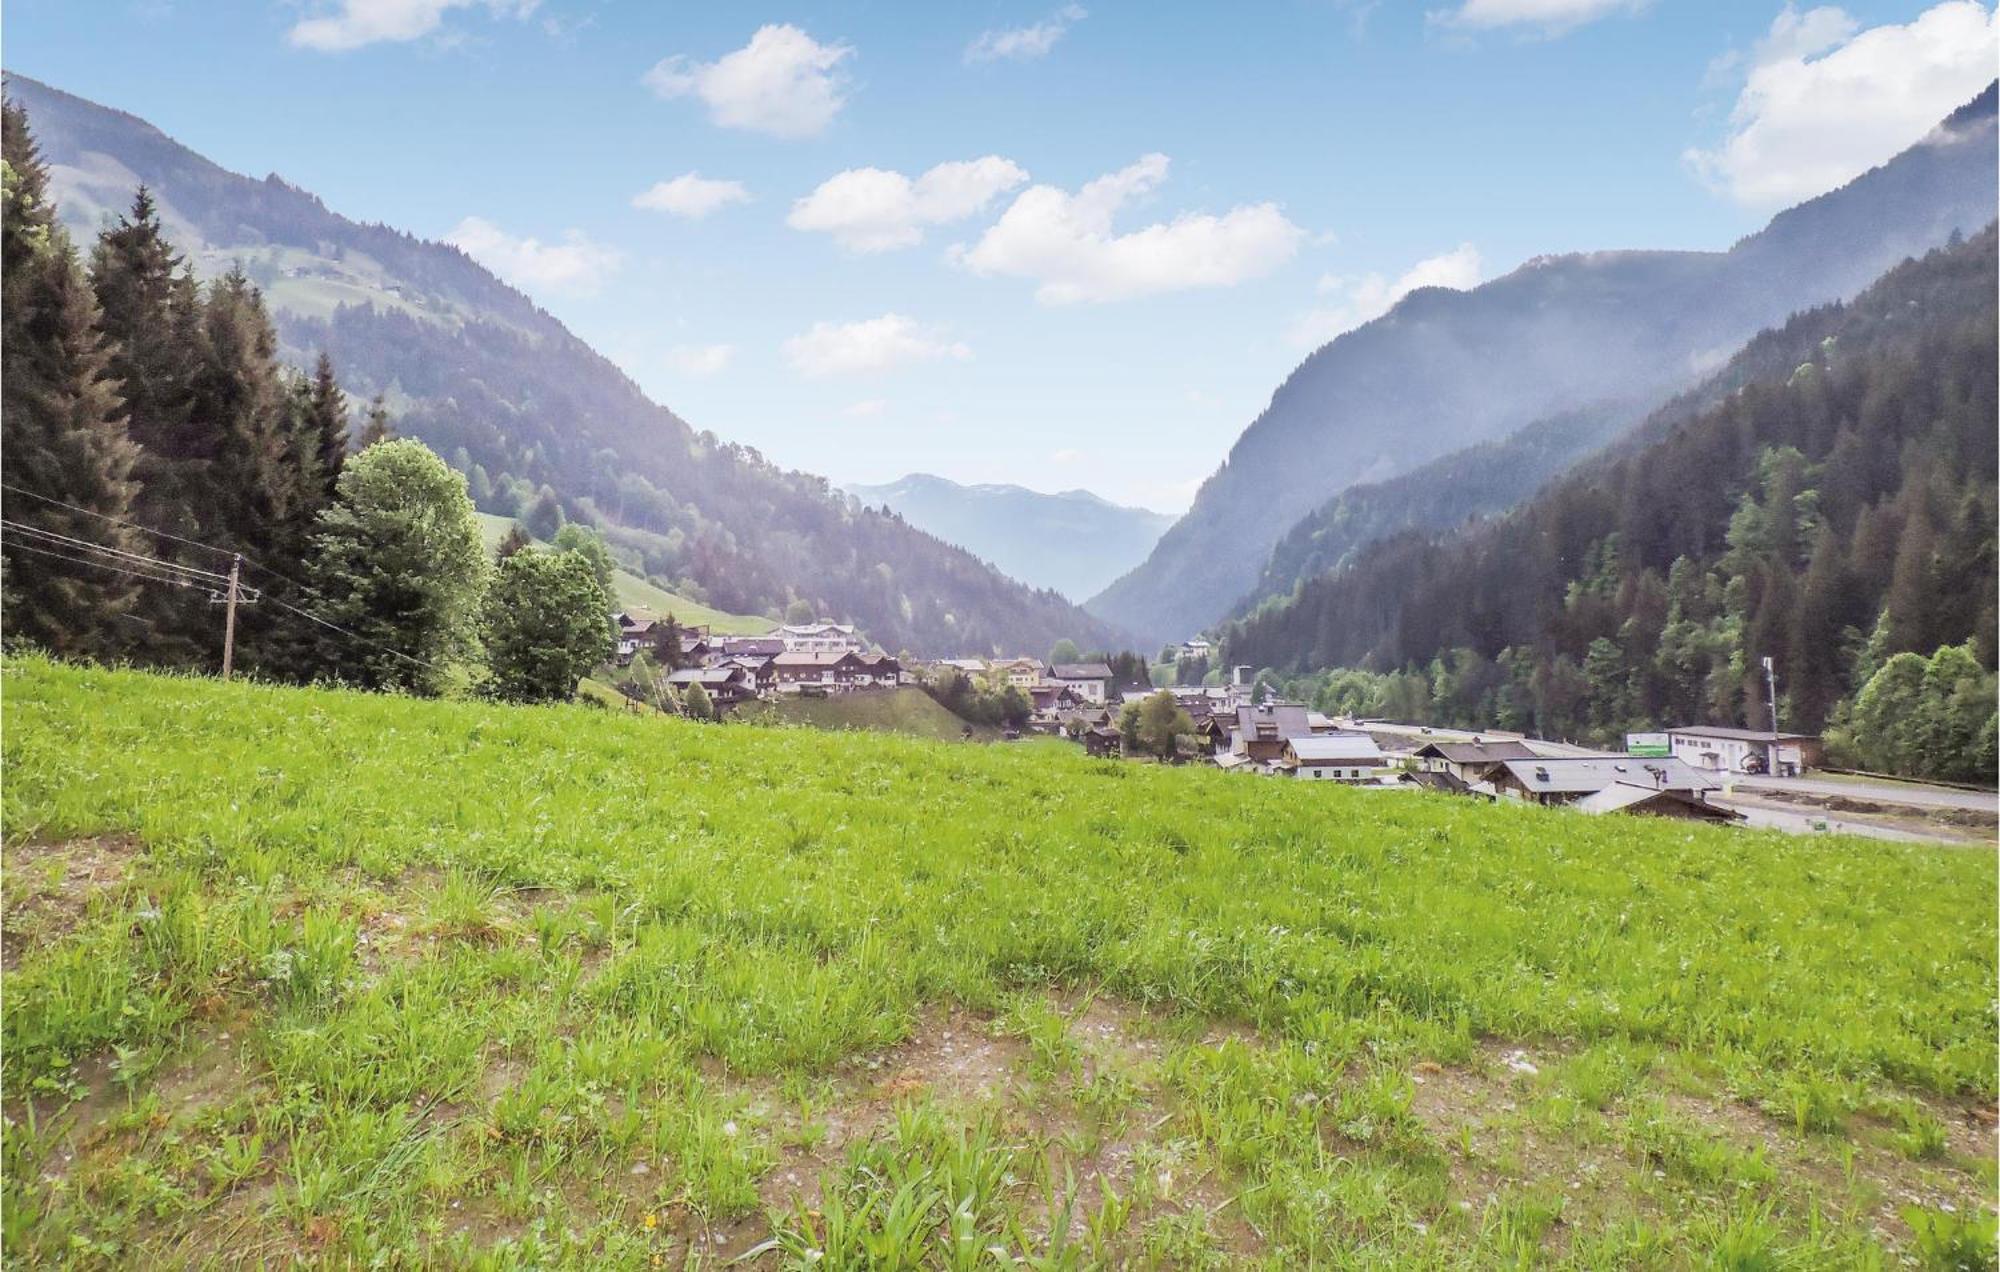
[1832,509]
[154,443]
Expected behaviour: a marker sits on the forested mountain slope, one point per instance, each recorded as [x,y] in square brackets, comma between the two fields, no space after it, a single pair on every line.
[1445,370]
[530,412]
[1479,481]
[1837,510]
[1073,541]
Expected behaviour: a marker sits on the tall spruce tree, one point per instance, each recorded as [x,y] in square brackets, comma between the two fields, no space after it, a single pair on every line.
[61,425]
[150,315]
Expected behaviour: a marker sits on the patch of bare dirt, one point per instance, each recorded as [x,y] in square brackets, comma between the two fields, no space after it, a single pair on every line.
[211,1070]
[1862,1164]
[966,1059]
[49,887]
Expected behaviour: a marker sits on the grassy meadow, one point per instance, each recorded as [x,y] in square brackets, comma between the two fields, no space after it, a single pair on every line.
[906,709]
[320,977]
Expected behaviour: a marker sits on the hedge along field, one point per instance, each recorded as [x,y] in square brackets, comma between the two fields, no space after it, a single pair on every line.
[300,974]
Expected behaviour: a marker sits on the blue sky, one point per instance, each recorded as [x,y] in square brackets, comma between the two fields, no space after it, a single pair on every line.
[1147,213]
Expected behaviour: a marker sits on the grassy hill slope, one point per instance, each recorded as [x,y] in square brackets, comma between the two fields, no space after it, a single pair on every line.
[642,594]
[316,976]
[907,710]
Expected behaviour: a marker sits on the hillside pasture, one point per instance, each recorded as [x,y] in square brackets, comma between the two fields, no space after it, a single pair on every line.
[907,710]
[305,975]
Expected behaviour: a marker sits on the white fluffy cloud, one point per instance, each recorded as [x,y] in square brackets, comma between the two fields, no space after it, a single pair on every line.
[1022,44]
[1551,16]
[783,82]
[690,195]
[1066,243]
[874,344]
[1355,301]
[575,265]
[706,359]
[874,210]
[1824,100]
[354,23]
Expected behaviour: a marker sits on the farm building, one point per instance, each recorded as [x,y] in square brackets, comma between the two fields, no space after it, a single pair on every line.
[1723,749]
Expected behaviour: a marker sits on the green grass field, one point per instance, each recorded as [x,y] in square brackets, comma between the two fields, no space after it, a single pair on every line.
[312,976]
[638,593]
[906,710]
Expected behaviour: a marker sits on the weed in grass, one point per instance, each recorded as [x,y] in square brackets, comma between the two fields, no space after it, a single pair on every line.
[1948,1242]
[1923,1137]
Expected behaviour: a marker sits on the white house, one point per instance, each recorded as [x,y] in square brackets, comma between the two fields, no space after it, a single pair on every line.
[1090,681]
[1334,757]
[820,638]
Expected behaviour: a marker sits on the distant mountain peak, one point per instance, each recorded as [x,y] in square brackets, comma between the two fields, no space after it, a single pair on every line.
[1074,541]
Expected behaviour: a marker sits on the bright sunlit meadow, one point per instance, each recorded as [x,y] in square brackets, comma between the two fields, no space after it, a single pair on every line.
[312,975]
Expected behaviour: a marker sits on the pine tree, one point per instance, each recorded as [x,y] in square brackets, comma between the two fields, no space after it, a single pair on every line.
[323,423]
[376,426]
[61,425]
[515,540]
[150,315]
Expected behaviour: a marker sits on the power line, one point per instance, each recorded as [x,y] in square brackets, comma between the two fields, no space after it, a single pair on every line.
[164,534]
[51,536]
[173,572]
[169,579]
[116,521]
[176,580]
[353,635]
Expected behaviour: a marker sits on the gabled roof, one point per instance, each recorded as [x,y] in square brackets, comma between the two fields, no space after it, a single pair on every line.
[1284,719]
[816,658]
[1448,782]
[706,676]
[1080,671]
[750,644]
[1625,797]
[1583,774]
[1335,748]
[1474,752]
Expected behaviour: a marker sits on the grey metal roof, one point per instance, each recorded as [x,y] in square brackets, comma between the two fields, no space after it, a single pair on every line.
[1477,752]
[1335,748]
[1571,775]
[1734,734]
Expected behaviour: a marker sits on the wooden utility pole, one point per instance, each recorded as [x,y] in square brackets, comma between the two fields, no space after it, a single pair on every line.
[229,618]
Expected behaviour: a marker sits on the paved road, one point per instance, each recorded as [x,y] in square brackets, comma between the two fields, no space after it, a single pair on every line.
[1911,793]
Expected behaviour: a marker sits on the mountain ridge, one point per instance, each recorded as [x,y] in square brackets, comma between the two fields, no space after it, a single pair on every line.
[1073,541]
[1551,336]
[531,413]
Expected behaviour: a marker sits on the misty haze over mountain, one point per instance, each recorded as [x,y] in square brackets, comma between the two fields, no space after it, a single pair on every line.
[1072,541]
[1444,370]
